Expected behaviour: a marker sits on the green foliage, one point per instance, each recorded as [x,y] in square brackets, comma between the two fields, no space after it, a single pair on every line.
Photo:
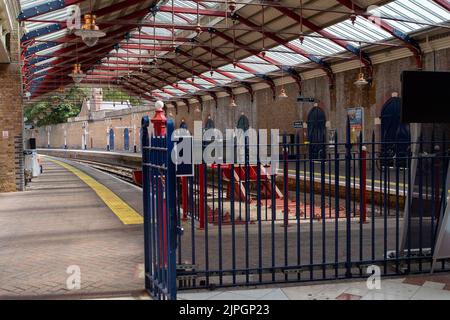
[56,108]
[116,95]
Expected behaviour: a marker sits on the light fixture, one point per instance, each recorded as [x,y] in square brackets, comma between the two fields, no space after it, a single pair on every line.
[301,36]
[353,14]
[263,49]
[283,94]
[90,32]
[233,103]
[197,109]
[361,81]
[77,74]
[232,5]
[198,29]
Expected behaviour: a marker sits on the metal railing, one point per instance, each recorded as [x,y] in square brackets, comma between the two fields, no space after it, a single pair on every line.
[316,218]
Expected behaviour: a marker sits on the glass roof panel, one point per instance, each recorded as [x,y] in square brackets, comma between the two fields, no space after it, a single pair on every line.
[418,14]
[317,45]
[220,78]
[259,65]
[187,86]
[421,11]
[285,56]
[238,72]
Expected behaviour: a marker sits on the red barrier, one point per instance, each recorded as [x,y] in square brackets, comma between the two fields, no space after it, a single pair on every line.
[201,187]
[184,197]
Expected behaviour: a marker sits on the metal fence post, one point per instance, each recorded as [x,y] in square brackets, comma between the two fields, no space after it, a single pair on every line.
[171,215]
[363,183]
[201,186]
[348,159]
[184,197]
[145,143]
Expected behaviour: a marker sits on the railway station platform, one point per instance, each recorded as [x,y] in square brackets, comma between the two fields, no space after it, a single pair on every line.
[72,220]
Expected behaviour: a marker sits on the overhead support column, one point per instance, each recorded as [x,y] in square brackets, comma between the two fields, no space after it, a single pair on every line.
[295,75]
[249,88]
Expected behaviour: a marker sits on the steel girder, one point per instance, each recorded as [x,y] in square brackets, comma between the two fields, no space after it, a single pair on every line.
[444,4]
[344,44]
[411,44]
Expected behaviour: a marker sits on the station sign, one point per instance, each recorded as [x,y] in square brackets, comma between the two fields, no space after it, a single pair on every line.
[306,99]
[184,151]
[299,125]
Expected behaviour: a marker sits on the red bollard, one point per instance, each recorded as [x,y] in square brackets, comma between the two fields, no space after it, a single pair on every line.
[201,181]
[363,183]
[159,122]
[184,197]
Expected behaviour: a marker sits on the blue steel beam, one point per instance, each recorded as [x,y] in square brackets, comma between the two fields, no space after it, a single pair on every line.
[46,8]
[43,31]
[41,47]
[36,60]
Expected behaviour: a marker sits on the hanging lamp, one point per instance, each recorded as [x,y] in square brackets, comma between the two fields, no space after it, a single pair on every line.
[361,81]
[263,49]
[283,94]
[77,74]
[353,14]
[301,36]
[233,102]
[198,28]
[232,5]
[90,32]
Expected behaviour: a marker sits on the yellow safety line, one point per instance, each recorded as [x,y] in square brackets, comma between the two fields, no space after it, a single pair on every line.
[121,209]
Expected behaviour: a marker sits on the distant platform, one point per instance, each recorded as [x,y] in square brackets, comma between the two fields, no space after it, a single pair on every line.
[126,159]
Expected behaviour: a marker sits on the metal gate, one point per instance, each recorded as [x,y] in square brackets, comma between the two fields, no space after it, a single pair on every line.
[338,216]
[160,220]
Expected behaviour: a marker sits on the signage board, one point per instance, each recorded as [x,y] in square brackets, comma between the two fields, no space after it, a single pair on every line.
[299,125]
[356,117]
[184,162]
[306,99]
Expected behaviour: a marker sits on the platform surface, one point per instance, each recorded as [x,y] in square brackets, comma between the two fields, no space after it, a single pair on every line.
[61,222]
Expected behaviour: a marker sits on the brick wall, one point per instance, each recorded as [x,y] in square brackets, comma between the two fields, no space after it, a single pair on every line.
[11,121]
[266,113]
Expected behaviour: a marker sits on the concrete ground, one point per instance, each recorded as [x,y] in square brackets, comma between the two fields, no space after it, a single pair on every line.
[59,225]
[423,287]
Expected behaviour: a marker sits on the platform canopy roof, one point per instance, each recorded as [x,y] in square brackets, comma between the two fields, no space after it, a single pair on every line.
[179,49]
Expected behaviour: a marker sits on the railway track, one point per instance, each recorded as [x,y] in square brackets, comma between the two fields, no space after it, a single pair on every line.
[123,173]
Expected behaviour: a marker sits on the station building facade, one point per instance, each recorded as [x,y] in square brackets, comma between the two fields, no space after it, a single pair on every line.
[323,108]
